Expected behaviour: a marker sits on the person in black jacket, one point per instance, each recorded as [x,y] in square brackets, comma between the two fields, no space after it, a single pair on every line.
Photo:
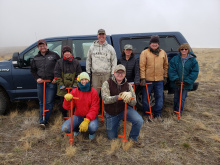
[42,68]
[66,71]
[131,64]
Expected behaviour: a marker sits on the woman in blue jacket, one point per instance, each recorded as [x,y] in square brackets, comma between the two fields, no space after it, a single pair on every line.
[182,68]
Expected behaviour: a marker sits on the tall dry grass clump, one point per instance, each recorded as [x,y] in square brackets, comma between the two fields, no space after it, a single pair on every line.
[127,145]
[71,151]
[115,145]
[13,114]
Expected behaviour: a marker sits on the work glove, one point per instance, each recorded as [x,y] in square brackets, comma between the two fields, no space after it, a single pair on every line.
[143,82]
[62,87]
[185,83]
[126,96]
[177,82]
[68,97]
[83,127]
[165,81]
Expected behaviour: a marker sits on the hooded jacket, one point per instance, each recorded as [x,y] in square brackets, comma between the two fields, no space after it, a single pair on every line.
[153,67]
[65,73]
[43,66]
[185,73]
[111,100]
[101,58]
[87,105]
[132,69]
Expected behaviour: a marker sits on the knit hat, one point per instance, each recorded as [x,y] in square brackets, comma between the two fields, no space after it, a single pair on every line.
[66,49]
[82,76]
[154,39]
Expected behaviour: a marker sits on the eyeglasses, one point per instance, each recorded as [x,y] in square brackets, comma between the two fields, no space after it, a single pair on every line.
[183,49]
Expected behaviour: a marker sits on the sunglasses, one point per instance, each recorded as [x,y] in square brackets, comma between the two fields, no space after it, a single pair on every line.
[183,49]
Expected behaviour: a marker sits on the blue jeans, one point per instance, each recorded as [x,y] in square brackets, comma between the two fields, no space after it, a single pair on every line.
[157,86]
[77,120]
[50,92]
[177,99]
[113,123]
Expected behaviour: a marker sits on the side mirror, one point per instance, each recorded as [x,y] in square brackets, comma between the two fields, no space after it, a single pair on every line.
[16,60]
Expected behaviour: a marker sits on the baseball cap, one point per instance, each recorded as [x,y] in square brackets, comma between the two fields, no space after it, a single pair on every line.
[101,31]
[41,42]
[119,67]
[128,46]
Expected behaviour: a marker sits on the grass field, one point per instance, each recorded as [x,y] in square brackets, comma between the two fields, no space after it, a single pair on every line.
[193,140]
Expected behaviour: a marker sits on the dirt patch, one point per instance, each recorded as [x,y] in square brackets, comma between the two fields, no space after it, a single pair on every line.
[194,140]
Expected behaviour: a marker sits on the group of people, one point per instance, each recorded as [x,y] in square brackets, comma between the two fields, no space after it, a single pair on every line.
[114,77]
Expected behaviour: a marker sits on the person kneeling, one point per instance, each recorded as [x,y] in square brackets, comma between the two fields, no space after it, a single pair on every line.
[112,89]
[86,107]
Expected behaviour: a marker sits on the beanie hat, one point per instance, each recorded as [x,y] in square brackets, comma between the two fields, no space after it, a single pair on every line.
[82,76]
[154,39]
[66,49]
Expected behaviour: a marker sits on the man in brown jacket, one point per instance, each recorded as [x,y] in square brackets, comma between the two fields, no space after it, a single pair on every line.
[153,69]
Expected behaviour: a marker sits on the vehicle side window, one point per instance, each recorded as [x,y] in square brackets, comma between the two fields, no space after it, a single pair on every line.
[167,43]
[53,46]
[81,48]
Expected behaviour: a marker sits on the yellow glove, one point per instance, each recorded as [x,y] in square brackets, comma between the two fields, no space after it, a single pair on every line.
[83,127]
[68,97]
[126,96]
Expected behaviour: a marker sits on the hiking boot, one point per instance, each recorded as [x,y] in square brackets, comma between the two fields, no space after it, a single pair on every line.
[42,126]
[137,144]
[91,137]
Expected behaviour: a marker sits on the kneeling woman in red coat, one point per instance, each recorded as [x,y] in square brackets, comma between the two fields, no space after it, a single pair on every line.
[86,108]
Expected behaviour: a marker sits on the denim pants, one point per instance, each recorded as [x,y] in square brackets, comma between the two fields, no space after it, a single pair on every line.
[50,92]
[177,99]
[157,86]
[77,120]
[113,123]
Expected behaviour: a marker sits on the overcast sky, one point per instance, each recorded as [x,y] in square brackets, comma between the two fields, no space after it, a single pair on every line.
[22,22]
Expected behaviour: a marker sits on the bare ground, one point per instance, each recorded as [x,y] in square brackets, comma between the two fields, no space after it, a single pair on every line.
[193,140]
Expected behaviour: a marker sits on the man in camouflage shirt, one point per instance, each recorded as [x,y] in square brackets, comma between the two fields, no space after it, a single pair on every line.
[112,89]
[101,60]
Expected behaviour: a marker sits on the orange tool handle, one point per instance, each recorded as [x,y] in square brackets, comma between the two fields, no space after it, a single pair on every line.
[148,98]
[44,111]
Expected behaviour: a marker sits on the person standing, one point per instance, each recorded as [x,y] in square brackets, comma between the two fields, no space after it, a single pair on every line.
[153,69]
[131,64]
[101,60]
[112,89]
[86,108]
[182,68]
[65,73]
[42,68]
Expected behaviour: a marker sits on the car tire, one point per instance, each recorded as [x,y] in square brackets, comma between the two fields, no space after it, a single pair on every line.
[4,102]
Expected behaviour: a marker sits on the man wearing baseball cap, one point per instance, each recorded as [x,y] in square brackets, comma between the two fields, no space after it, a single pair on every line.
[112,89]
[42,68]
[101,60]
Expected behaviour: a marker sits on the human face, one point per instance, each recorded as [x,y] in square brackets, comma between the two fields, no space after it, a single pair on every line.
[101,37]
[67,54]
[120,75]
[128,52]
[154,46]
[84,81]
[184,52]
[42,48]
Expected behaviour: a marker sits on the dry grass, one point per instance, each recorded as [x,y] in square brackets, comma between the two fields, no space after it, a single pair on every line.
[193,140]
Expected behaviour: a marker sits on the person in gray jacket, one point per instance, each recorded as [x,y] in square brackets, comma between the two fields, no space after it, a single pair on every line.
[101,60]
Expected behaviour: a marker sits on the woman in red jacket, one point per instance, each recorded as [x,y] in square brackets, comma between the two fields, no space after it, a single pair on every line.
[86,108]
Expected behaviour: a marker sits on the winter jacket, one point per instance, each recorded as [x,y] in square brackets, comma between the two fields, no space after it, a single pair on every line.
[87,105]
[101,58]
[111,97]
[43,66]
[65,73]
[153,67]
[132,69]
[185,73]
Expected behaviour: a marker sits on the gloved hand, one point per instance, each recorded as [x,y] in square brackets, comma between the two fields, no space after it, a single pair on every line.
[126,96]
[185,83]
[177,82]
[83,127]
[62,87]
[68,97]
[143,82]
[165,81]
